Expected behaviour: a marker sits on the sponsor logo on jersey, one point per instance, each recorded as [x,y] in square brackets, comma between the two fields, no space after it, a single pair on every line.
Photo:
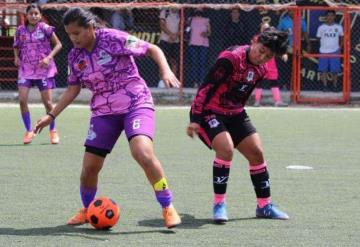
[104,58]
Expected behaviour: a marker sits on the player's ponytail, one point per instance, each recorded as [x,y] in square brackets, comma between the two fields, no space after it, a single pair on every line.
[274,39]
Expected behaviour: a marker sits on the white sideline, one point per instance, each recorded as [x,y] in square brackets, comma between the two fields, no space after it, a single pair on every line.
[291,108]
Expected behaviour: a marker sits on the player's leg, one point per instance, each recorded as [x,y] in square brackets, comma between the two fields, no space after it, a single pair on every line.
[224,149]
[335,69]
[275,90]
[102,136]
[258,94]
[215,136]
[251,148]
[23,89]
[92,163]
[323,68]
[46,86]
[139,127]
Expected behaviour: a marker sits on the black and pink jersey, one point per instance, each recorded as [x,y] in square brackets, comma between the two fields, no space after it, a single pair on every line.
[228,85]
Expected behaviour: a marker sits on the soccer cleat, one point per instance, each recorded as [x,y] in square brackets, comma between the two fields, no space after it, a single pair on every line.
[270,211]
[29,135]
[54,137]
[79,218]
[171,217]
[220,213]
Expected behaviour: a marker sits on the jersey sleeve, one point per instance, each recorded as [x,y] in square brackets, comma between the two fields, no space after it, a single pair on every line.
[318,32]
[341,30]
[134,46]
[48,30]
[218,74]
[72,76]
[17,40]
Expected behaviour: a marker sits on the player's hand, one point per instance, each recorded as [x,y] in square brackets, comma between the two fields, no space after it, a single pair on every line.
[17,61]
[170,79]
[193,129]
[285,57]
[42,122]
[45,62]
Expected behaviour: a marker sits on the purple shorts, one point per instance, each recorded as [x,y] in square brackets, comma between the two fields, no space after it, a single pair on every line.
[105,130]
[42,84]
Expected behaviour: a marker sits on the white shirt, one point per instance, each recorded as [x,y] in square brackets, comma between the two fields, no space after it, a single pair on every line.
[329,37]
[172,21]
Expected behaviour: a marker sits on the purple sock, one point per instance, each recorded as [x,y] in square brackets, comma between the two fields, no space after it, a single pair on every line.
[52,125]
[27,121]
[87,195]
[164,197]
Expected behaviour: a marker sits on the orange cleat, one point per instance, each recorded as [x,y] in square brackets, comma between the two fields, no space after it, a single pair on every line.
[29,135]
[171,217]
[54,137]
[79,218]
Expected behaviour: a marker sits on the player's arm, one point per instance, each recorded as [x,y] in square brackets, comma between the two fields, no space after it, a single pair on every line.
[218,74]
[66,98]
[16,57]
[164,69]
[57,47]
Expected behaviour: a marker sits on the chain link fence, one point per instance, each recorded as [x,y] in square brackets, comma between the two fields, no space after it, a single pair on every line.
[223,33]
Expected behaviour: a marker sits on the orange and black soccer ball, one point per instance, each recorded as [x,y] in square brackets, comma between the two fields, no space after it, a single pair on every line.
[103,213]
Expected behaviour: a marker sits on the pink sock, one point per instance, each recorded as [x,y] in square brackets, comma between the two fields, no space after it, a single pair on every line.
[276,94]
[219,198]
[258,92]
[262,202]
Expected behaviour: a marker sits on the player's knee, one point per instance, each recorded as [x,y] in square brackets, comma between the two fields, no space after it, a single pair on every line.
[225,153]
[144,158]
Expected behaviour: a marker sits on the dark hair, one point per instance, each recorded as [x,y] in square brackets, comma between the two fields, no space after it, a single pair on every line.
[331,11]
[82,17]
[275,40]
[33,6]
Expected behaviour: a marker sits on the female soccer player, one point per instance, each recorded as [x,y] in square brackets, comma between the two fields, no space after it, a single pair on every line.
[35,59]
[102,60]
[218,116]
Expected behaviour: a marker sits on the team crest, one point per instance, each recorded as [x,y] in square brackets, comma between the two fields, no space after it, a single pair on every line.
[249,75]
[81,65]
[213,123]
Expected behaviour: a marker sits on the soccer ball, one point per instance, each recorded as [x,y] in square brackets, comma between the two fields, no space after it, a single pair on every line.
[103,213]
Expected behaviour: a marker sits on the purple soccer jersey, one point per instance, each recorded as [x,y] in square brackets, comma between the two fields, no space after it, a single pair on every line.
[111,74]
[33,47]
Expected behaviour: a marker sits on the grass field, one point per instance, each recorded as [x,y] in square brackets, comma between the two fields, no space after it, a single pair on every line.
[40,191]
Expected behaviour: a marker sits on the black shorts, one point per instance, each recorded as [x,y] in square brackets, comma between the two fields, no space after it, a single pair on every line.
[239,126]
[171,50]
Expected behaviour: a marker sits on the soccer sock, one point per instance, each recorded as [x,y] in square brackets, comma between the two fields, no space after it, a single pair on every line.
[52,125]
[27,120]
[260,179]
[221,170]
[276,94]
[163,193]
[258,92]
[87,195]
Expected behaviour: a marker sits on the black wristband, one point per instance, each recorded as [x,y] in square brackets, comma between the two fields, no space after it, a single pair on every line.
[51,115]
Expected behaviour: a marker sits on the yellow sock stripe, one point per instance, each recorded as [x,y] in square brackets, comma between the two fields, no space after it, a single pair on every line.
[161,185]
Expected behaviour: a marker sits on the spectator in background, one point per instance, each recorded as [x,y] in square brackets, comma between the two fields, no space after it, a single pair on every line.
[330,35]
[4,26]
[122,19]
[200,31]
[234,30]
[271,77]
[169,38]
[101,16]
[286,25]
